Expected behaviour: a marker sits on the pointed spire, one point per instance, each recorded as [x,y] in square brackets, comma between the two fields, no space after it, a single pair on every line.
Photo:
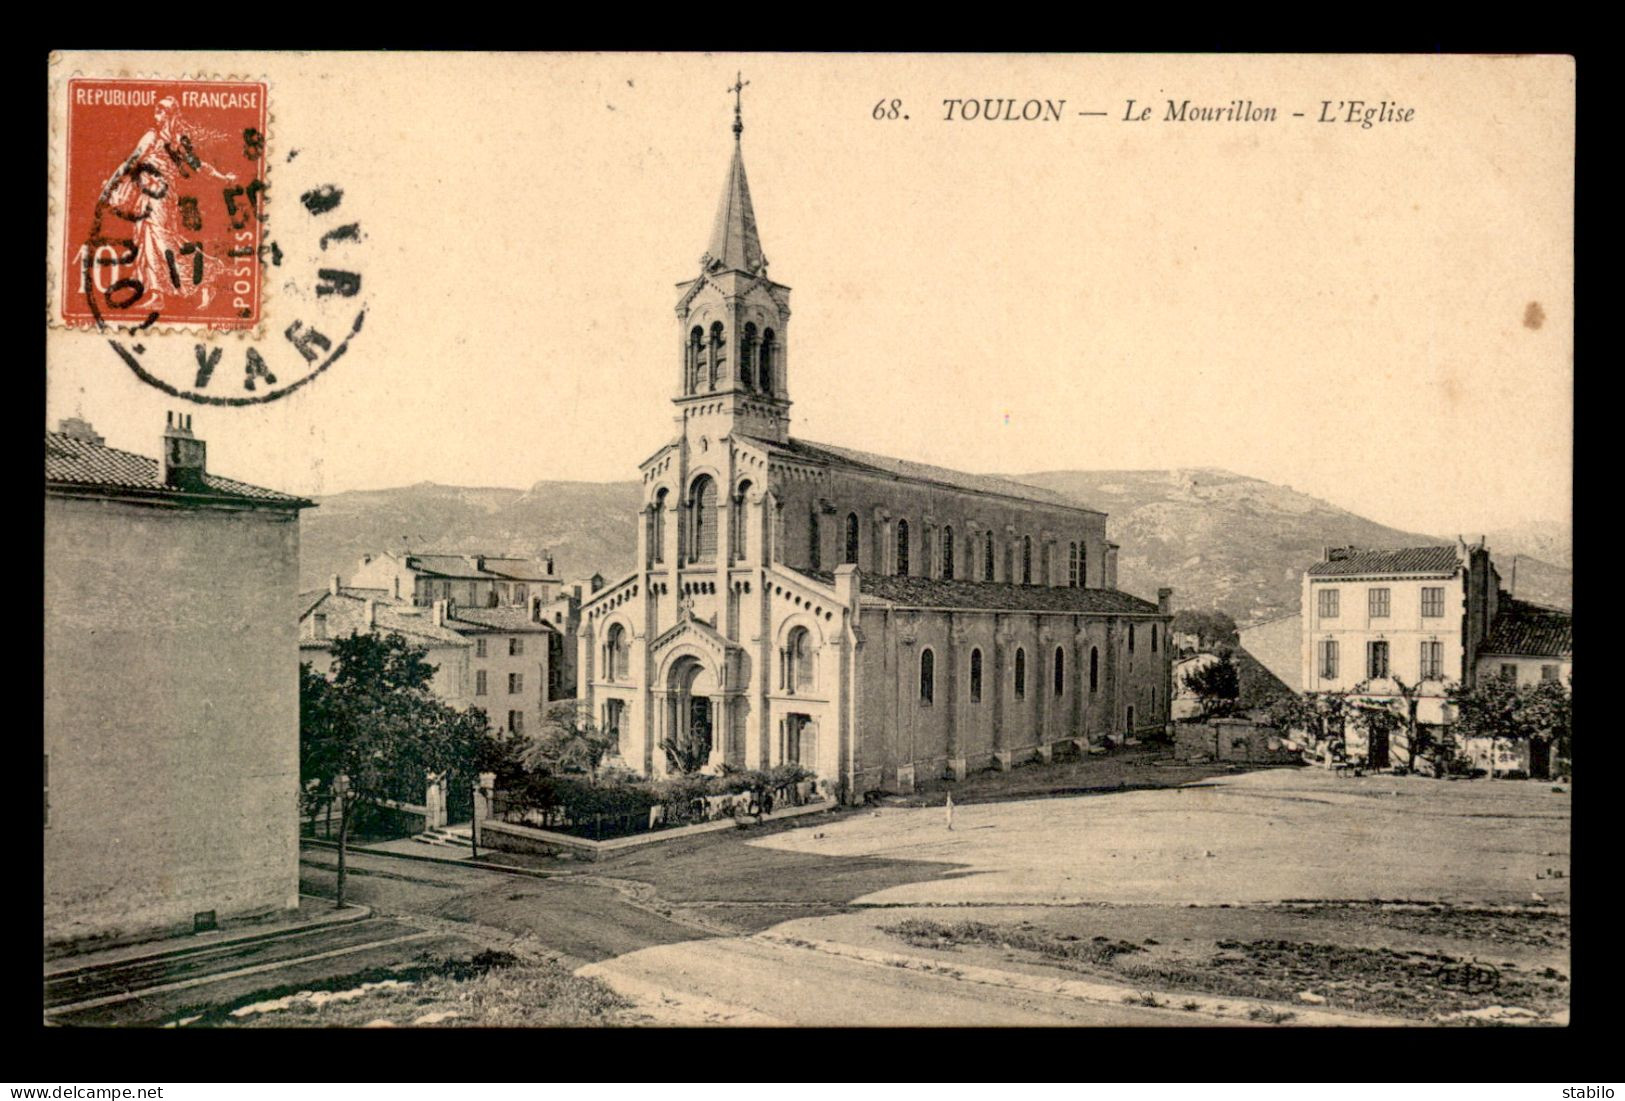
[734,241]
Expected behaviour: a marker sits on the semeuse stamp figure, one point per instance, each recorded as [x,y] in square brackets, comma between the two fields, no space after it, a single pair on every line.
[164,203]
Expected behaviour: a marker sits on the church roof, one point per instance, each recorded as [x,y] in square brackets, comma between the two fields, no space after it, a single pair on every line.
[989,596]
[906,468]
[735,244]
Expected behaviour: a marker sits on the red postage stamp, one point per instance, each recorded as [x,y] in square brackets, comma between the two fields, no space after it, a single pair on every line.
[165,203]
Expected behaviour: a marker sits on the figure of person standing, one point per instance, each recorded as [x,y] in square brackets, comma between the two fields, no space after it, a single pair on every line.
[949,806]
[145,192]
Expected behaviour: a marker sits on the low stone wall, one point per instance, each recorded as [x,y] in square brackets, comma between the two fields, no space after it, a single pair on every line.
[1230,740]
[512,837]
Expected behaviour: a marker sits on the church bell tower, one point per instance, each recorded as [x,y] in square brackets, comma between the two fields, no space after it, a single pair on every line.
[735,324]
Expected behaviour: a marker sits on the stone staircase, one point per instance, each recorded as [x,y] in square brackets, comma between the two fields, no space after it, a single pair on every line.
[445,836]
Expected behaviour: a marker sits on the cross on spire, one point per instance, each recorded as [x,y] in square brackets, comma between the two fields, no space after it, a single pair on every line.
[739,86]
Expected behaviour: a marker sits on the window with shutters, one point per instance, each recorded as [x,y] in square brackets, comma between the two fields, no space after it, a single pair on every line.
[1432,601]
[1376,664]
[1379,603]
[1328,603]
[1432,664]
[1328,659]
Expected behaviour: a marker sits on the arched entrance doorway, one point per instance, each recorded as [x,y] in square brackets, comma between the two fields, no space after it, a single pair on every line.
[694,716]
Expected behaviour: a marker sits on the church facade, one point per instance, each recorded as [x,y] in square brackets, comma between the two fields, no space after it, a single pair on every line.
[873,619]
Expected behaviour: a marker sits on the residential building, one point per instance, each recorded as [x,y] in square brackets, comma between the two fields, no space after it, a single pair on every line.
[1529,643]
[470,580]
[510,661]
[171,690]
[871,618]
[1390,621]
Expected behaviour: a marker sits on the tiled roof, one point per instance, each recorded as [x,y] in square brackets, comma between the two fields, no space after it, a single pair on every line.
[1409,560]
[464,566]
[1530,630]
[498,619]
[925,592]
[905,468]
[347,614]
[72,463]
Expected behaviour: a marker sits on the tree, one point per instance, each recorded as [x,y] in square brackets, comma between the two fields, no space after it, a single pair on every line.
[569,739]
[376,723]
[1319,715]
[685,754]
[1550,709]
[1216,685]
[1497,709]
[1380,722]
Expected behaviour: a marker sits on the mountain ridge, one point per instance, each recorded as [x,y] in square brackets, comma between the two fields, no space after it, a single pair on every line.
[1221,539]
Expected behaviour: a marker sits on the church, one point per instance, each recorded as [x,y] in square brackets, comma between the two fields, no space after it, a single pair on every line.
[872,619]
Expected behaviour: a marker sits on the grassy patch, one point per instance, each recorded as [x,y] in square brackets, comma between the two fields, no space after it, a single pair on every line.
[1066,947]
[488,990]
[1410,984]
[1371,980]
[1537,927]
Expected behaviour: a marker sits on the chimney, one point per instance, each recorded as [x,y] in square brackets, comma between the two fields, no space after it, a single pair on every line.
[333,584]
[549,565]
[184,464]
[79,429]
[1165,601]
[479,563]
[441,609]
[1338,554]
[372,613]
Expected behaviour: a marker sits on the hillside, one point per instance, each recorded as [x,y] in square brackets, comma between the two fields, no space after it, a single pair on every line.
[1220,539]
[1240,544]
[586,526]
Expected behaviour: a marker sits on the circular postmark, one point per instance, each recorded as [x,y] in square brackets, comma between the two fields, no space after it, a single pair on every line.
[174,261]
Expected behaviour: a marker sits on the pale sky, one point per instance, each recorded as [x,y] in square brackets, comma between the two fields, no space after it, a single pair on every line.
[1334,308]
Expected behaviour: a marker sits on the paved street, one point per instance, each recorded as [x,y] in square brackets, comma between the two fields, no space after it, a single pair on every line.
[791,926]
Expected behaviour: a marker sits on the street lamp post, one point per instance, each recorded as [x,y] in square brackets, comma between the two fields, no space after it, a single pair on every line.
[474,821]
[341,788]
